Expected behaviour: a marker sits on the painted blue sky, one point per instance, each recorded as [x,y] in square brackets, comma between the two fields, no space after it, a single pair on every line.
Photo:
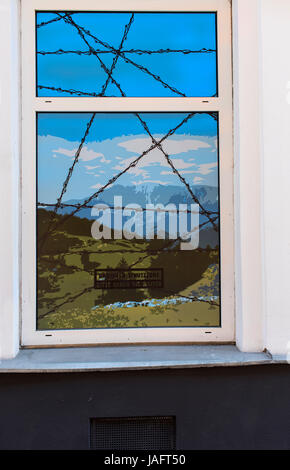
[116,139]
[193,74]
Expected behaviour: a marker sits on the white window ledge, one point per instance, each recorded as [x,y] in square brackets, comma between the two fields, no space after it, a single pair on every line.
[108,358]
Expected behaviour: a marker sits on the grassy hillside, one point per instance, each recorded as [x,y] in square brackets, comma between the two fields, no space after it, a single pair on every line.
[67,297]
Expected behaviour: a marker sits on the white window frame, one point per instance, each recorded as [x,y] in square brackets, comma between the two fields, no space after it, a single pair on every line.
[32,104]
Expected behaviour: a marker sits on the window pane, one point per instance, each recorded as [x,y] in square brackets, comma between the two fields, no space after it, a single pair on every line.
[125,54]
[128,220]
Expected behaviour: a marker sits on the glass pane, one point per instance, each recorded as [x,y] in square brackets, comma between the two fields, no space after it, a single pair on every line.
[126,54]
[127,220]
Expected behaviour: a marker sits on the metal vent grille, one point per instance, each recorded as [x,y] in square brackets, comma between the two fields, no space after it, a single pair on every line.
[136,433]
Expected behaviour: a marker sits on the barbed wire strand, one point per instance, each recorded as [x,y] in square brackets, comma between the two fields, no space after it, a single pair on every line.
[131,51]
[70,91]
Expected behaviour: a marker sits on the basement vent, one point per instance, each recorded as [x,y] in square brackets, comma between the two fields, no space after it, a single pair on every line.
[136,433]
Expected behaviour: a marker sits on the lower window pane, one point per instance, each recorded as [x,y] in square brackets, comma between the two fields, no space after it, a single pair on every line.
[127,220]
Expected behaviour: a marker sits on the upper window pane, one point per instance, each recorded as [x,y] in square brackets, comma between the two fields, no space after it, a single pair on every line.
[126,54]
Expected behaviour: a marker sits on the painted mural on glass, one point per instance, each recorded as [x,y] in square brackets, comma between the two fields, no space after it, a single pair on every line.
[127,220]
[128,203]
[126,54]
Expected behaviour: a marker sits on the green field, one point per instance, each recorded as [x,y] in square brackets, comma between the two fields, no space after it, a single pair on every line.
[67,298]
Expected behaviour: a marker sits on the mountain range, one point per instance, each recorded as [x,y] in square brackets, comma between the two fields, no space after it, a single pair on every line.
[156,194]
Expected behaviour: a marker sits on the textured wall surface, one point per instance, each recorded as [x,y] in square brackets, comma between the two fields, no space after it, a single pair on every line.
[215,408]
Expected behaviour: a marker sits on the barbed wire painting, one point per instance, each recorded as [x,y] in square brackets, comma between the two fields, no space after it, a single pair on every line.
[126,54]
[128,220]
[128,203]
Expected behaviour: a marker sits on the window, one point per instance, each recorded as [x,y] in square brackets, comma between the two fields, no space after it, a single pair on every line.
[127,127]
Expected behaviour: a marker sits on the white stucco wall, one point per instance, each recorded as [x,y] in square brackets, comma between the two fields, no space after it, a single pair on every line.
[275,33]
[9,181]
[246,24]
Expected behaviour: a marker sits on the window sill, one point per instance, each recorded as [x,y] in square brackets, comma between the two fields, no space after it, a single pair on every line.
[117,358]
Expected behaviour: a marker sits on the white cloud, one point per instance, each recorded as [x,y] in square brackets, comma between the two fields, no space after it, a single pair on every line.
[150,181]
[180,164]
[96,186]
[86,154]
[206,168]
[214,145]
[197,179]
[170,146]
[138,172]
[182,172]
[105,157]
[88,167]
[203,169]
[153,158]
